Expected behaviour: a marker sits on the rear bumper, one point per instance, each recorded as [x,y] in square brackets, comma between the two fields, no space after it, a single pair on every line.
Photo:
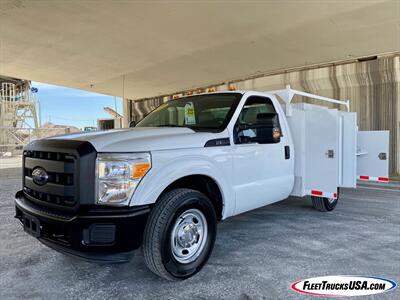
[96,234]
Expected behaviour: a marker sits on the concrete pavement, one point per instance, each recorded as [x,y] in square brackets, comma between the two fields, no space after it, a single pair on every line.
[257,254]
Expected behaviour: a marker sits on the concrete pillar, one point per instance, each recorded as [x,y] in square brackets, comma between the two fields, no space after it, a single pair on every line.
[126,112]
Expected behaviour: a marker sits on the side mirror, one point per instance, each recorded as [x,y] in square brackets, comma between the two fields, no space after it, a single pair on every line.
[132,124]
[266,130]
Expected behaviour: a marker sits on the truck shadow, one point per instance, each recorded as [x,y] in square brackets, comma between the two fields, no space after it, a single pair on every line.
[269,229]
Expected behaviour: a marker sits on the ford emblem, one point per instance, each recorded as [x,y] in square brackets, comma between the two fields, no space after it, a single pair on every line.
[40,176]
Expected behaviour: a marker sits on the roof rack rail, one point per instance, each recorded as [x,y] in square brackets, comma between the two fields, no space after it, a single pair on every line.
[288,94]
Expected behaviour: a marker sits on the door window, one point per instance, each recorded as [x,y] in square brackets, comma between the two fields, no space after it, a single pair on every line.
[255,112]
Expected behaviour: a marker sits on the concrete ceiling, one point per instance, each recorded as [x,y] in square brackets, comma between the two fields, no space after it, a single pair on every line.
[145,48]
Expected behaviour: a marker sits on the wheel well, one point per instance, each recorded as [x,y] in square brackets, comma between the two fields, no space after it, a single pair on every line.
[203,184]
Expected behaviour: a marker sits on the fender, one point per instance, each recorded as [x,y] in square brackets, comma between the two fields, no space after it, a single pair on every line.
[165,170]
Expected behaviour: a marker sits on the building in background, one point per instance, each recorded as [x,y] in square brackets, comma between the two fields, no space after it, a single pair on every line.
[18,114]
[20,118]
[116,120]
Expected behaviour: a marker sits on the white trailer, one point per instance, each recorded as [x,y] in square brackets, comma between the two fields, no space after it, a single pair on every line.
[165,183]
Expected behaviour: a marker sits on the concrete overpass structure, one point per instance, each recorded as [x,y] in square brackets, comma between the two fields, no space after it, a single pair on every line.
[138,49]
[156,49]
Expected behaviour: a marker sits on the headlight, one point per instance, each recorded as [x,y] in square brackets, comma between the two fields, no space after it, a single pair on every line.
[118,175]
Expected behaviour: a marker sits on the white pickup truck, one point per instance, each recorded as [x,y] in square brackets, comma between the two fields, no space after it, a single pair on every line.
[164,184]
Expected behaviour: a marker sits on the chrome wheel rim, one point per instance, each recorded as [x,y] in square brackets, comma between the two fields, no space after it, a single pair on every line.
[189,236]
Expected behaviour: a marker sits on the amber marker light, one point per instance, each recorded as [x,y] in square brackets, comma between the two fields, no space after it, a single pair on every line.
[139,170]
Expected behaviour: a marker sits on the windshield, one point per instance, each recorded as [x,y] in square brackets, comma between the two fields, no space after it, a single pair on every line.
[202,112]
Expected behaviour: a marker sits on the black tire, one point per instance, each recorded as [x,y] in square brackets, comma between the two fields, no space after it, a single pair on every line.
[324,204]
[157,248]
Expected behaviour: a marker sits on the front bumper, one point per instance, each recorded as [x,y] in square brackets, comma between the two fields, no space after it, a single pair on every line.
[97,234]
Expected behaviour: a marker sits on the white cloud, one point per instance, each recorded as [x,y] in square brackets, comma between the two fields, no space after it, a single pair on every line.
[66,91]
[44,86]
[83,94]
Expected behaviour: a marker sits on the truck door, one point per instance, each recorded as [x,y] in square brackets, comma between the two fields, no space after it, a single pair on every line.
[373,155]
[262,173]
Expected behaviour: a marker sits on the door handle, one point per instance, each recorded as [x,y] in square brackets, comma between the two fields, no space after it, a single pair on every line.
[287,152]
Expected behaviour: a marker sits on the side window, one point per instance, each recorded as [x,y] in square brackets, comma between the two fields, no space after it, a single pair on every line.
[258,122]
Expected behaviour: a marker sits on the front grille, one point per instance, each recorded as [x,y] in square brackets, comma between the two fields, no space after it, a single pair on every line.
[58,156]
[54,177]
[60,189]
[49,198]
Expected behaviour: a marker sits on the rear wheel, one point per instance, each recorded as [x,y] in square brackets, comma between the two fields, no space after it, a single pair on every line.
[324,204]
[179,234]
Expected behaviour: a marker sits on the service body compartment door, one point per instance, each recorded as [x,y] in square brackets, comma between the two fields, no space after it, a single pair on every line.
[373,155]
[322,153]
[347,149]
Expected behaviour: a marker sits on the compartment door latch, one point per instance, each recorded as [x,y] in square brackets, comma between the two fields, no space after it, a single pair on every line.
[330,153]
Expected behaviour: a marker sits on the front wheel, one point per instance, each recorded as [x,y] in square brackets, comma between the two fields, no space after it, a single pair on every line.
[180,234]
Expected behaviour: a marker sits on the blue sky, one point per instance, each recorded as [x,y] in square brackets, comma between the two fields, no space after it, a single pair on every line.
[66,106]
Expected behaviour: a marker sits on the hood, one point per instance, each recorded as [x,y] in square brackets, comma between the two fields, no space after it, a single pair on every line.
[143,139]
